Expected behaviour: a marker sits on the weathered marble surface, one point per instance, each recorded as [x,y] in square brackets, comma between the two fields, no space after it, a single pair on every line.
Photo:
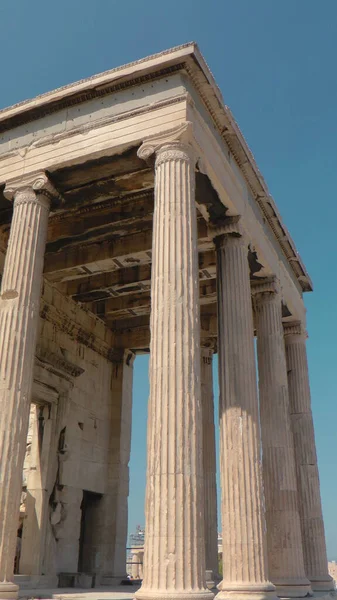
[19,314]
[174,559]
[102,238]
[310,506]
[284,540]
[245,566]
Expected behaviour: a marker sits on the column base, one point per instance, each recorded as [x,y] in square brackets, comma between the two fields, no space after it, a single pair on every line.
[8,590]
[246,591]
[144,594]
[297,588]
[212,579]
[324,584]
[318,596]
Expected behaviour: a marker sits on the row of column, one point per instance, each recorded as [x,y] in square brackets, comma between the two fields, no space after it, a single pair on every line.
[175,497]
[263,533]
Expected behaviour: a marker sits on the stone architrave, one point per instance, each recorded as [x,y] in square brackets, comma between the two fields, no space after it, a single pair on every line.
[174,559]
[19,315]
[284,540]
[209,467]
[245,568]
[310,506]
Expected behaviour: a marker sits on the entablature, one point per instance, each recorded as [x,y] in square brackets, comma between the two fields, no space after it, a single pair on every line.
[86,137]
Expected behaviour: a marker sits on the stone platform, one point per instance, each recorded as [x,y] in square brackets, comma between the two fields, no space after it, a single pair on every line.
[120,592]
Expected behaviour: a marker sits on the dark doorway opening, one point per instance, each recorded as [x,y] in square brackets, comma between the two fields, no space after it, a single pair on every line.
[87,547]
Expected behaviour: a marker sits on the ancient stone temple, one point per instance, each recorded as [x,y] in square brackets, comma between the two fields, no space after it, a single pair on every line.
[133,218]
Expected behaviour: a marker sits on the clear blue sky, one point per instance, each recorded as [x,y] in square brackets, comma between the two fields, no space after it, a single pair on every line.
[275,63]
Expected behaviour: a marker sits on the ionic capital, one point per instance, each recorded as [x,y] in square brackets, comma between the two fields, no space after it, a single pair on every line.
[265,289]
[294,331]
[173,144]
[229,230]
[208,346]
[32,188]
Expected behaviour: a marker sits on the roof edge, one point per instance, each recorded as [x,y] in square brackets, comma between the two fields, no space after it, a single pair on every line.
[98,80]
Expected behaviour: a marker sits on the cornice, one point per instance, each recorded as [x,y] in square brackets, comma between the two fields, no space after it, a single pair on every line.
[33,112]
[88,84]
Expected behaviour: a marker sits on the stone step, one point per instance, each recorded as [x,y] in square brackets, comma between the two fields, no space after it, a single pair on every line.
[33,582]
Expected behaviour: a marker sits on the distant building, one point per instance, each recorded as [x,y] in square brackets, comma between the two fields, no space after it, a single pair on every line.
[135,553]
[332,566]
[137,539]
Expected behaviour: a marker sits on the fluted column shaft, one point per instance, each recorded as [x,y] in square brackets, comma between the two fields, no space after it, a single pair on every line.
[19,313]
[174,560]
[284,541]
[310,506]
[209,464]
[245,571]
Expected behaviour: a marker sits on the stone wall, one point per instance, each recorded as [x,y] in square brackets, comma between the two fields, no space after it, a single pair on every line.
[76,374]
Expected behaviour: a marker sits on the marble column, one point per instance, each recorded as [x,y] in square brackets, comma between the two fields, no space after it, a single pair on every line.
[35,524]
[19,315]
[310,507]
[209,467]
[174,559]
[245,568]
[284,540]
